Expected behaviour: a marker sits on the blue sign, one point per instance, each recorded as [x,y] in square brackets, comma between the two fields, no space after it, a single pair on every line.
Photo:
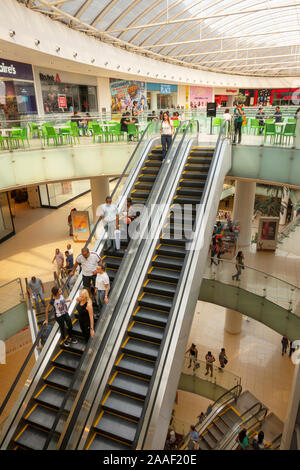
[165,89]
[13,70]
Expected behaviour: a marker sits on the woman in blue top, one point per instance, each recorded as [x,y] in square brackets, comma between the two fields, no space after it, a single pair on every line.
[194,438]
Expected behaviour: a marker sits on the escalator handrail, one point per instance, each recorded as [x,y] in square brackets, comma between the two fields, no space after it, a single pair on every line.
[214,162]
[225,441]
[215,411]
[54,330]
[89,377]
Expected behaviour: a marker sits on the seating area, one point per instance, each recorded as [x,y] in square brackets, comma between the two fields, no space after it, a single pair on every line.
[66,133]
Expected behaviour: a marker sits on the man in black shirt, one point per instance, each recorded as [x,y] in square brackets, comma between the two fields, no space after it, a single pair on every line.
[260,115]
[278,114]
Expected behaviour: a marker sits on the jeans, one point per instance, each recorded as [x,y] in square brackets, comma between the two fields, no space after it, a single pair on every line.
[166,141]
[38,295]
[61,322]
[238,129]
[100,299]
[110,244]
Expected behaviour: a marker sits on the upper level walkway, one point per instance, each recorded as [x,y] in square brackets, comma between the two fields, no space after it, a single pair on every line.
[252,159]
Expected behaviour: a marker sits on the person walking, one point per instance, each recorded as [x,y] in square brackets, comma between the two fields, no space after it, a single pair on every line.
[222,359]
[292,349]
[167,131]
[36,291]
[243,440]
[69,262]
[209,363]
[284,345]
[84,308]
[239,265]
[102,286]
[109,213]
[238,122]
[61,315]
[220,250]
[193,355]
[213,251]
[59,258]
[259,442]
[89,262]
[201,417]
[194,439]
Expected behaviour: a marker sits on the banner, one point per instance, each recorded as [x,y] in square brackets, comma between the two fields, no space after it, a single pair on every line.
[267,233]
[81,226]
[125,92]
[200,96]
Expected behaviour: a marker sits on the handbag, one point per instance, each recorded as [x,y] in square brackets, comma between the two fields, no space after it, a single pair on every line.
[117,239]
[225,360]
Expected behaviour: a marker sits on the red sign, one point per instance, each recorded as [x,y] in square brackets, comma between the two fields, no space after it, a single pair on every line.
[62,101]
[57,79]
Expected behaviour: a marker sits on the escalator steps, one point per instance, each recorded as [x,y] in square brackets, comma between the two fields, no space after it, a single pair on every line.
[60,378]
[117,427]
[32,438]
[129,384]
[136,366]
[67,360]
[146,331]
[203,445]
[171,250]
[42,417]
[159,287]
[51,397]
[156,301]
[148,315]
[216,433]
[141,348]
[103,443]
[165,262]
[118,403]
[210,441]
[167,275]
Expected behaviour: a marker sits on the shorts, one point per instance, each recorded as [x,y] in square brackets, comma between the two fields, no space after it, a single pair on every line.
[89,281]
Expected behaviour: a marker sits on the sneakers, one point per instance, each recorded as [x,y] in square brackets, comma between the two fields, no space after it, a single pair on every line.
[69,341]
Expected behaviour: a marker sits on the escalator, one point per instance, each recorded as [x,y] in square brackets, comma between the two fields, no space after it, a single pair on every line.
[120,413]
[37,419]
[219,427]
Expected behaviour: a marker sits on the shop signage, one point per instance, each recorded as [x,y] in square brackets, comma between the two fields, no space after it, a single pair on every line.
[81,226]
[165,89]
[49,78]
[15,70]
[200,96]
[62,101]
[226,91]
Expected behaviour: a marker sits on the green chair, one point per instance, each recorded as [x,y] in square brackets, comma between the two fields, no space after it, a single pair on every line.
[216,123]
[116,132]
[5,140]
[97,132]
[74,133]
[270,130]
[292,120]
[20,135]
[48,133]
[288,132]
[34,129]
[254,124]
[131,130]
[269,121]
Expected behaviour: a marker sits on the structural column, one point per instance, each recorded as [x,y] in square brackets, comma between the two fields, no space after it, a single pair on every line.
[292,416]
[233,321]
[103,94]
[153,100]
[99,191]
[284,201]
[243,209]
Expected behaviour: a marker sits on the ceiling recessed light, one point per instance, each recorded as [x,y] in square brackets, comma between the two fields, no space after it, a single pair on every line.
[92,60]
[12,33]
[57,49]
[74,55]
[106,63]
[37,42]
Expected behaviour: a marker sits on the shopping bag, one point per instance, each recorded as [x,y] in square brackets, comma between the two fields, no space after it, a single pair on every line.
[117,239]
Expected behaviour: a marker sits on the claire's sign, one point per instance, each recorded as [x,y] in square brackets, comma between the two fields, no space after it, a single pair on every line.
[15,70]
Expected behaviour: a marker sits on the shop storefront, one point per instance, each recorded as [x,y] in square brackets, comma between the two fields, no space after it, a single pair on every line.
[7,228]
[199,96]
[55,195]
[67,92]
[161,96]
[277,97]
[225,96]
[17,95]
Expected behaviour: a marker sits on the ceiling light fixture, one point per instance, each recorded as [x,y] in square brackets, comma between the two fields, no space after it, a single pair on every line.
[37,42]
[106,63]
[12,33]
[57,49]
[92,60]
[74,55]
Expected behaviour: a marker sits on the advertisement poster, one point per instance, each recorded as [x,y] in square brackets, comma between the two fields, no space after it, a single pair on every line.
[200,96]
[81,226]
[125,92]
[62,101]
[267,233]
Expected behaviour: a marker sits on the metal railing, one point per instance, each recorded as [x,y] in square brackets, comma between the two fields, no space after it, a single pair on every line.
[11,294]
[220,377]
[249,420]
[257,282]
[290,227]
[218,406]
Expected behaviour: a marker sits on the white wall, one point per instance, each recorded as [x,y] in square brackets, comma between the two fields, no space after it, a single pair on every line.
[109,61]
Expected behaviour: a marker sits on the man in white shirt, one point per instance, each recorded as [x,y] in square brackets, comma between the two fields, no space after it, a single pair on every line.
[89,263]
[102,286]
[110,215]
